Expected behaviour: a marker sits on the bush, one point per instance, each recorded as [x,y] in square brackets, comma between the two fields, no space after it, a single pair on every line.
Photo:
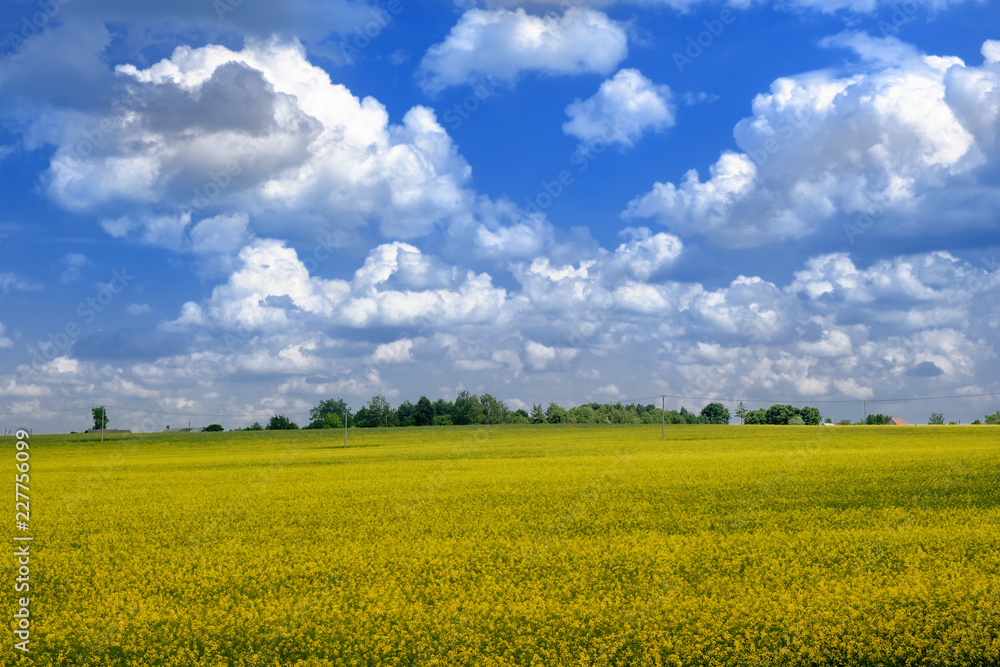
[281,423]
[329,420]
[797,420]
[715,413]
[214,427]
[780,414]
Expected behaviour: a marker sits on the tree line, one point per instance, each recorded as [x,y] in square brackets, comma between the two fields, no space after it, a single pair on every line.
[468,408]
[485,409]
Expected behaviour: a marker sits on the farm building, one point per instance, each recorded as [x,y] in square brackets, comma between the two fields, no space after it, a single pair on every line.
[189,429]
[895,421]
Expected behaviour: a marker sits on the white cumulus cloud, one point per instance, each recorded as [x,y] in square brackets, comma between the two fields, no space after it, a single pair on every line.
[624,107]
[501,44]
[895,148]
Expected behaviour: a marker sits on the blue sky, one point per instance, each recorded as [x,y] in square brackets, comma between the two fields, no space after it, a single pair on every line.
[213,211]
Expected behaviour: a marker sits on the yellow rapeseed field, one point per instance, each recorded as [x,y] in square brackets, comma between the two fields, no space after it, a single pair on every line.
[723,545]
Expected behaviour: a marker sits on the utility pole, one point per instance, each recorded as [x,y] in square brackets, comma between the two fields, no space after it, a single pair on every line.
[865,404]
[102,423]
[663,417]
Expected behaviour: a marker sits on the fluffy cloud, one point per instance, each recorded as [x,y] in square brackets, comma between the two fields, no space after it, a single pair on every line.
[396,352]
[624,107]
[500,44]
[272,290]
[262,130]
[896,149]
[919,324]
[74,263]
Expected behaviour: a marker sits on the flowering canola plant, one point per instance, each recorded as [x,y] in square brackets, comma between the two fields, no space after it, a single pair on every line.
[502,546]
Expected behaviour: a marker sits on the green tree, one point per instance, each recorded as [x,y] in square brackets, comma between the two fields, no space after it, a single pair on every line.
[755,416]
[468,409]
[214,427]
[423,412]
[937,419]
[715,413]
[796,420]
[380,410]
[330,406]
[329,420]
[811,416]
[741,411]
[254,427]
[100,418]
[406,414]
[993,418]
[443,408]
[536,416]
[495,411]
[878,419]
[555,414]
[519,417]
[780,414]
[281,423]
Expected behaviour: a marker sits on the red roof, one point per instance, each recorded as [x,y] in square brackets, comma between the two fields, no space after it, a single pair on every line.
[896,421]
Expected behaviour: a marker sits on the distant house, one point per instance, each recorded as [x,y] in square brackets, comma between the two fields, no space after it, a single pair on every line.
[895,421]
[189,429]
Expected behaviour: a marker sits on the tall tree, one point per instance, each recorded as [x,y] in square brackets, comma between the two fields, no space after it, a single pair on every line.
[495,411]
[468,409]
[281,423]
[100,418]
[811,416]
[423,412]
[536,416]
[715,413]
[780,414]
[380,408]
[330,406]
[556,414]
[937,419]
[406,414]
[741,411]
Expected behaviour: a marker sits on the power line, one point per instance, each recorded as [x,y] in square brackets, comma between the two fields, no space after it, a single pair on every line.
[821,400]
